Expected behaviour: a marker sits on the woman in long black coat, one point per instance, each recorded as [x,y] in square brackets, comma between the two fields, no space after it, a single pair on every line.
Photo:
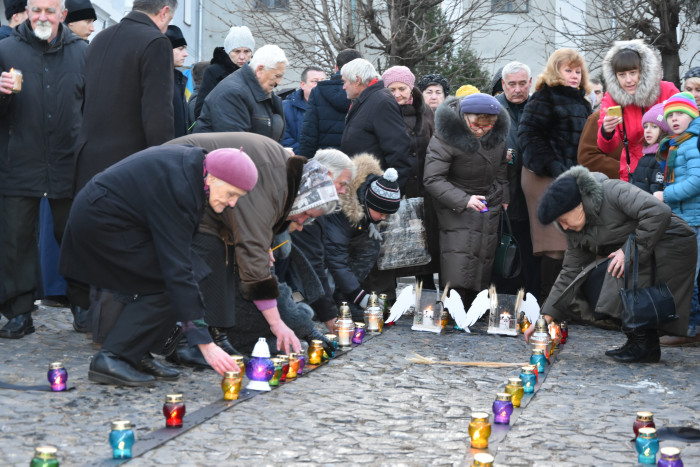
[549,132]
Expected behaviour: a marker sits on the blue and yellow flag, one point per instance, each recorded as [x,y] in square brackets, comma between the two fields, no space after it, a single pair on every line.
[190,84]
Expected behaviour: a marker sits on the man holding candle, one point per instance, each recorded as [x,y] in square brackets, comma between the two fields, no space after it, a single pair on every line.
[130,232]
[38,129]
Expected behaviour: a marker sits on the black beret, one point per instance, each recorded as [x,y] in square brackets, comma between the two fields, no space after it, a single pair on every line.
[560,197]
[431,80]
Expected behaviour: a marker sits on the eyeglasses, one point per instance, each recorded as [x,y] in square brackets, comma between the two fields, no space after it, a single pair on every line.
[478,127]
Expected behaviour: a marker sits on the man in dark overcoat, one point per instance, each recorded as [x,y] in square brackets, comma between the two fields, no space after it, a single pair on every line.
[128,89]
[130,233]
[38,129]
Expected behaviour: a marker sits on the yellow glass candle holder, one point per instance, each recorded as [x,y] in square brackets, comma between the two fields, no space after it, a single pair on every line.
[293,366]
[516,390]
[479,430]
[231,385]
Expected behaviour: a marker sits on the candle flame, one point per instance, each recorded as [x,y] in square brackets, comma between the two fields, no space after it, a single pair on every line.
[12,70]
[120,445]
[173,414]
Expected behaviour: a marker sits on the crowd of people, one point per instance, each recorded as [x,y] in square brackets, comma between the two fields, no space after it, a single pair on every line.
[189,229]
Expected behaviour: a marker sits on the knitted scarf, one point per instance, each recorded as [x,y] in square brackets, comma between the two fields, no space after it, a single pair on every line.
[669,151]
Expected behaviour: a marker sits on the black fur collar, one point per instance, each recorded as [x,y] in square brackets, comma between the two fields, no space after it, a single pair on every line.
[451,127]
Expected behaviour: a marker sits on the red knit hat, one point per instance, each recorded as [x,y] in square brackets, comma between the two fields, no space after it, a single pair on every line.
[232,166]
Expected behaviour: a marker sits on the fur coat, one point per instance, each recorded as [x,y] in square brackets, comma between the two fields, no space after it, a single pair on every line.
[650,90]
[350,227]
[614,210]
[550,129]
[457,166]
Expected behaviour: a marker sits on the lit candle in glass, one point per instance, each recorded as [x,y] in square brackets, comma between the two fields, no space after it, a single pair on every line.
[231,385]
[479,430]
[174,410]
[527,375]
[285,367]
[121,438]
[315,352]
[564,331]
[536,371]
[502,408]
[670,457]
[515,389]
[293,366]
[45,456]
[647,445]
[260,369]
[240,361]
[643,420]
[482,459]
[302,363]
[277,375]
[57,376]
[538,359]
[359,333]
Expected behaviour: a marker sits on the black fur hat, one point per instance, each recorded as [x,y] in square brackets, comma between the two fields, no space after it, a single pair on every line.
[79,10]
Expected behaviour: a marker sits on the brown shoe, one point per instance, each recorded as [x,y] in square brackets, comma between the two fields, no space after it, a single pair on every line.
[680,341]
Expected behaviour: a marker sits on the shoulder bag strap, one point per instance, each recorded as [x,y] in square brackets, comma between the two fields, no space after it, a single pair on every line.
[626,143]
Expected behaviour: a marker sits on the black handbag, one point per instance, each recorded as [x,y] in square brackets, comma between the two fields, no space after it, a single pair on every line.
[649,307]
[507,261]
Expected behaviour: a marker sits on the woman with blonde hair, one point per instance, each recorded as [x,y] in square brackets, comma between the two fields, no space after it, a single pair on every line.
[549,131]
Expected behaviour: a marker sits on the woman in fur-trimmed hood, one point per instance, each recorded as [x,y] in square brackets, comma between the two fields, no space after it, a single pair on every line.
[351,251]
[597,215]
[632,72]
[465,173]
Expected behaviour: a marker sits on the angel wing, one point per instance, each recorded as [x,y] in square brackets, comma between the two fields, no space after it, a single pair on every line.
[403,302]
[481,303]
[453,304]
[531,308]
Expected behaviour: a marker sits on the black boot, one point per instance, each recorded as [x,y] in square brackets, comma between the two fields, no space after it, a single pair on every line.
[612,352]
[220,338]
[188,355]
[18,327]
[80,318]
[644,348]
[151,366]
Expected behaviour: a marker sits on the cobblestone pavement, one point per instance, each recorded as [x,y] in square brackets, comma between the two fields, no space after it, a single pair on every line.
[370,406]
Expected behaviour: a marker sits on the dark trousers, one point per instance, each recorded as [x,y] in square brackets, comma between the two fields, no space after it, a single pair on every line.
[49,252]
[218,288]
[142,326]
[20,249]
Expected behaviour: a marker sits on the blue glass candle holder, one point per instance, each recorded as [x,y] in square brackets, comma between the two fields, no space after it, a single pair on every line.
[529,379]
[260,368]
[647,445]
[502,408]
[57,376]
[121,438]
[359,334]
[538,359]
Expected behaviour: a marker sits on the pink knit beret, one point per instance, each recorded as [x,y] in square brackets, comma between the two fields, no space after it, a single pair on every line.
[400,74]
[232,166]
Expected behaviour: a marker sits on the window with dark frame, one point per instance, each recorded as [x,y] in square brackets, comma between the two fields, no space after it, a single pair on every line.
[271,4]
[510,6]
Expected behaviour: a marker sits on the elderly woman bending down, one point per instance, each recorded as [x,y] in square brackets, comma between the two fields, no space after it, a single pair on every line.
[597,216]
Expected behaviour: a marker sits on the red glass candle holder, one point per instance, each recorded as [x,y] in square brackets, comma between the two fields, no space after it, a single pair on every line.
[644,420]
[174,410]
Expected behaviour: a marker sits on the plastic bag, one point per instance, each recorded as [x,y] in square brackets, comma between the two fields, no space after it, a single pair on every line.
[403,237]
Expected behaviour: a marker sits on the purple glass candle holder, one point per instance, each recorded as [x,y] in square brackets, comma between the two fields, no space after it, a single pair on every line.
[359,333]
[302,362]
[502,408]
[58,376]
[670,457]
